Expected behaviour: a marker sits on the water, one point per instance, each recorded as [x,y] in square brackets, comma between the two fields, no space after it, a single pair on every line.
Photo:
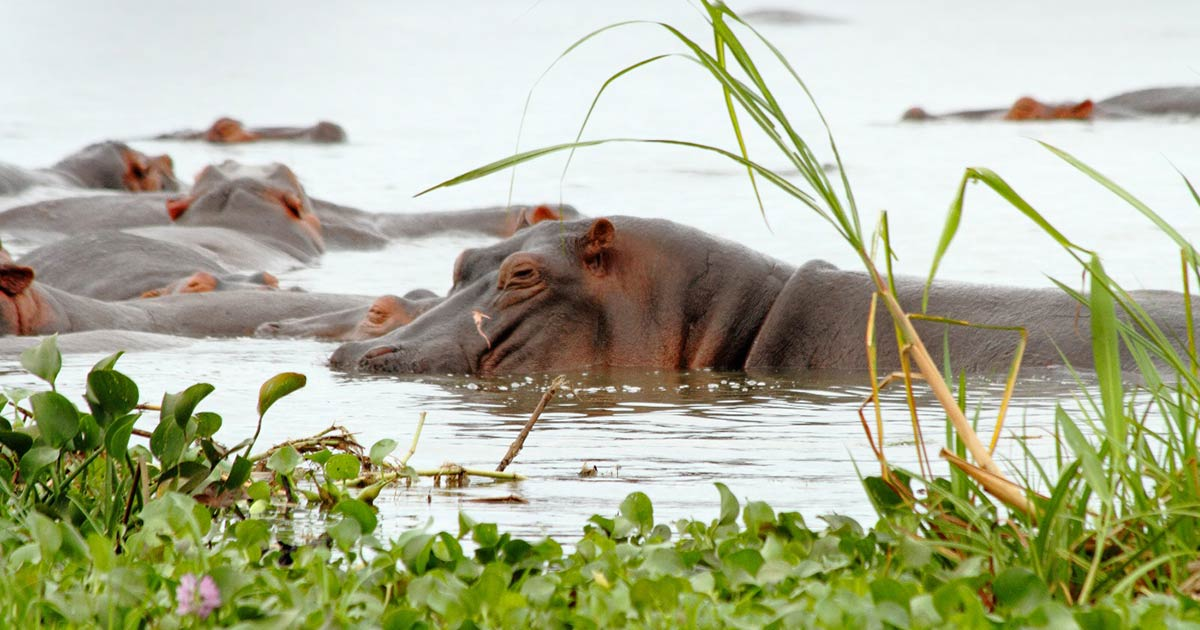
[427,91]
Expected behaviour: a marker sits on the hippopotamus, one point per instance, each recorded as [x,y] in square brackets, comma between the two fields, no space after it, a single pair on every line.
[631,292]
[111,265]
[107,165]
[1180,101]
[267,203]
[95,341]
[385,314]
[30,308]
[229,131]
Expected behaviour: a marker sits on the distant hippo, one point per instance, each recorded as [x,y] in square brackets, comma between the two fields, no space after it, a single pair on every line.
[1180,101]
[107,165]
[249,199]
[110,265]
[651,293]
[229,131]
[29,308]
[384,315]
[97,341]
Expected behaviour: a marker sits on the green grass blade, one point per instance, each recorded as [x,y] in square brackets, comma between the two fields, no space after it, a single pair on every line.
[1106,354]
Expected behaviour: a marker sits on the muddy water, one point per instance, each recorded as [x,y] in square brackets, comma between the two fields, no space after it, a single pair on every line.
[428,91]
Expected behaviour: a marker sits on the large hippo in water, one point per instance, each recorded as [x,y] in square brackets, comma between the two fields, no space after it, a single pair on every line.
[231,131]
[29,308]
[111,265]
[1180,101]
[651,293]
[106,165]
[236,196]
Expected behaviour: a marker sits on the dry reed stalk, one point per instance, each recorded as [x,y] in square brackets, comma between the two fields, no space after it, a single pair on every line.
[558,383]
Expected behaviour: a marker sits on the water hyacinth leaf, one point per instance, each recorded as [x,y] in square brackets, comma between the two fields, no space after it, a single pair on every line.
[116,438]
[238,473]
[43,360]
[181,406]
[207,424]
[166,443]
[284,460]
[346,533]
[56,417]
[110,394]
[358,511]
[35,460]
[45,533]
[101,550]
[16,441]
[639,510]
[382,449]
[342,466]
[1019,590]
[757,516]
[277,387]
[90,434]
[253,533]
[259,491]
[729,505]
[320,457]
[107,362]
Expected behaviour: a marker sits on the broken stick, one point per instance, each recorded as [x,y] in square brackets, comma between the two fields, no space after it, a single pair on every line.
[558,383]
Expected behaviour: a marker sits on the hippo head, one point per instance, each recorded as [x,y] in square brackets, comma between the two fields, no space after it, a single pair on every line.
[266,202]
[916,113]
[22,309]
[204,282]
[114,165]
[1027,108]
[564,295]
[325,131]
[228,131]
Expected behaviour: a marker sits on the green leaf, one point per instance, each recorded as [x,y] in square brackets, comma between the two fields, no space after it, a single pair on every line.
[1089,459]
[1106,352]
[45,533]
[43,360]
[110,394]
[253,532]
[107,362]
[259,491]
[238,473]
[342,466]
[637,508]
[56,417]
[116,438]
[277,387]
[207,424]
[729,505]
[1019,590]
[284,460]
[17,441]
[101,549]
[166,443]
[382,449]
[346,533]
[35,460]
[757,515]
[358,511]
[181,406]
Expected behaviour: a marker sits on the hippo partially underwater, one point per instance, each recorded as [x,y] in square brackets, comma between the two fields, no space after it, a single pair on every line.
[1165,101]
[231,131]
[650,293]
[104,165]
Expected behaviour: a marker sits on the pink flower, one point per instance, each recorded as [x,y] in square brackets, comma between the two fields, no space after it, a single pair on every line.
[197,597]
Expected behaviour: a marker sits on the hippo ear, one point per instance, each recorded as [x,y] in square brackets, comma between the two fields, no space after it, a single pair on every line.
[596,246]
[541,213]
[177,206]
[15,279]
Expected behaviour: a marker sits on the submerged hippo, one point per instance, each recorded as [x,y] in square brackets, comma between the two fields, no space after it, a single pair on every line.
[1182,101]
[229,131]
[382,316]
[651,293]
[267,203]
[29,308]
[107,165]
[110,265]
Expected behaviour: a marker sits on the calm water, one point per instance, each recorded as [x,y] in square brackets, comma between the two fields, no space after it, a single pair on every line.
[428,91]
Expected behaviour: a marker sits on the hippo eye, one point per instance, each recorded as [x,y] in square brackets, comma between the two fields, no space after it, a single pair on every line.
[521,276]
